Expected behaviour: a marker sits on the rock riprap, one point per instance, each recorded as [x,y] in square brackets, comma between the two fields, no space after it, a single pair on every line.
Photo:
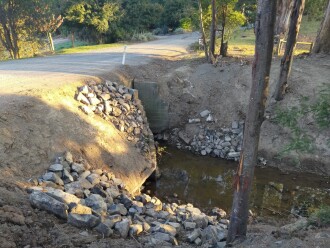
[224,143]
[121,106]
[97,200]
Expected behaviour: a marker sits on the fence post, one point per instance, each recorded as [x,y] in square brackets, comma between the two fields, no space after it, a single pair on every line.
[124,55]
[311,47]
[279,47]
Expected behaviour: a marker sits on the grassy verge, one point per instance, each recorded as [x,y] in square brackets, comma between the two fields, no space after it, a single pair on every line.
[81,46]
[242,41]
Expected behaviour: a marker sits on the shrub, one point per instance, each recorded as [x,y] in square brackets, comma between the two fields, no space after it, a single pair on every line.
[160,31]
[143,37]
[321,217]
[194,46]
[186,24]
[179,31]
[157,31]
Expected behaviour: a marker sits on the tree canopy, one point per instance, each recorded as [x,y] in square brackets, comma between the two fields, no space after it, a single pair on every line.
[102,21]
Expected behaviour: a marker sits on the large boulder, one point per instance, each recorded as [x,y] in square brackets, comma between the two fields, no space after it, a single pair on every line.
[43,201]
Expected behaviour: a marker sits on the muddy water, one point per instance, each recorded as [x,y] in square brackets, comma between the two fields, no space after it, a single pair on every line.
[207,182]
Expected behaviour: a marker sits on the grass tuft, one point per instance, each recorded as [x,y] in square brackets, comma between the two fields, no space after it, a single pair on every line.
[320,217]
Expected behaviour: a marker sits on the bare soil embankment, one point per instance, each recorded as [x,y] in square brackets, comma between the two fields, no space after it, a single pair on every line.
[40,123]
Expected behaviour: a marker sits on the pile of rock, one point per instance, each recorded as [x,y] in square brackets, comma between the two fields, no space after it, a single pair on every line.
[96,199]
[121,106]
[224,143]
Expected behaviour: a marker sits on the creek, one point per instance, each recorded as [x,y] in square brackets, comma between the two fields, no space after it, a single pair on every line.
[208,182]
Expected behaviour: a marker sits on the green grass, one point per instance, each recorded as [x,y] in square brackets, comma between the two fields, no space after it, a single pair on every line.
[67,44]
[243,41]
[81,47]
[308,30]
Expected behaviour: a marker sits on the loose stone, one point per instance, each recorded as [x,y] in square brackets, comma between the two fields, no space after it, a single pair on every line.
[43,201]
[123,227]
[83,220]
[104,229]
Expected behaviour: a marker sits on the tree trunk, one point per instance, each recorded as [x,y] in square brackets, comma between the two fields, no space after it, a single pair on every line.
[223,45]
[14,36]
[287,59]
[212,33]
[51,42]
[322,43]
[72,39]
[200,9]
[264,30]
[5,39]
[224,49]
[284,9]
[8,35]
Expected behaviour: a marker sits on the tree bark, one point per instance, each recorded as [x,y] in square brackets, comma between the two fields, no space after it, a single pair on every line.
[284,9]
[212,33]
[264,30]
[200,9]
[322,42]
[223,45]
[8,33]
[287,59]
[72,39]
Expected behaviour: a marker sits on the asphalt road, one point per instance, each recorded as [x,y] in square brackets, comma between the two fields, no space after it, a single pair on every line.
[18,75]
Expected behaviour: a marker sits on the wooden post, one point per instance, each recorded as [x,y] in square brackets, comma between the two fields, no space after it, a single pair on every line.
[286,61]
[124,56]
[279,47]
[264,30]
[311,47]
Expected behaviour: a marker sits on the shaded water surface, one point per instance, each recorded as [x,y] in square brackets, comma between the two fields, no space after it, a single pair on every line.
[207,183]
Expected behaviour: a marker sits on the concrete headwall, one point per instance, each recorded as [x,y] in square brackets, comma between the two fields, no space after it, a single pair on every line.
[155,108]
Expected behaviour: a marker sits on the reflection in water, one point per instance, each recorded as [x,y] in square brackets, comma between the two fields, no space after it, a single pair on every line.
[207,183]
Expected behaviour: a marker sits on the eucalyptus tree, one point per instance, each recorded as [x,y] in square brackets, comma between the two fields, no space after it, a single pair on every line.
[322,43]
[287,59]
[47,17]
[264,30]
[229,19]
[13,19]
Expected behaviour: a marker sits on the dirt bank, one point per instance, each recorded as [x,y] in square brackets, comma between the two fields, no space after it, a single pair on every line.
[191,86]
[37,124]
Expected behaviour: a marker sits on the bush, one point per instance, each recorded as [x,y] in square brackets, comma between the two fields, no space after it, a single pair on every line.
[321,217]
[160,31]
[179,31]
[143,37]
[194,46]
[186,24]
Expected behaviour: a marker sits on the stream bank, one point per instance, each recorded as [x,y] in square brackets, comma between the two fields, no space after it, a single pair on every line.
[207,183]
[191,86]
